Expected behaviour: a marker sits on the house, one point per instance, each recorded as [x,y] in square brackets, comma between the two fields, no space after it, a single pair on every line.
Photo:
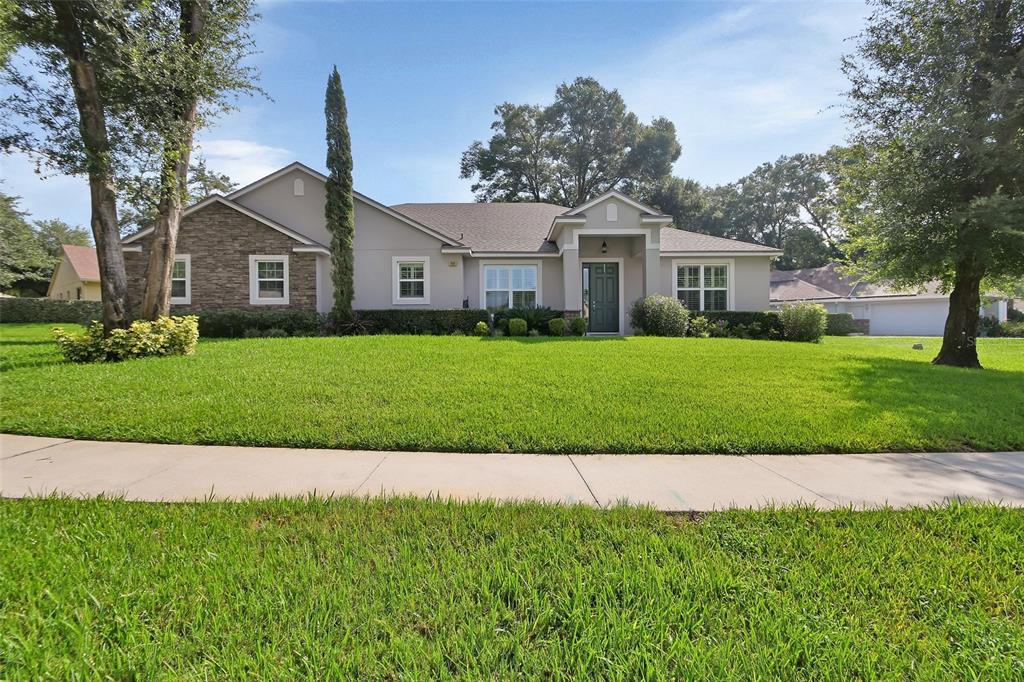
[879,310]
[267,245]
[77,275]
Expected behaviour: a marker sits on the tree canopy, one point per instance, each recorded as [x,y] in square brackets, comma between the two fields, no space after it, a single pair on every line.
[935,181]
[30,252]
[583,144]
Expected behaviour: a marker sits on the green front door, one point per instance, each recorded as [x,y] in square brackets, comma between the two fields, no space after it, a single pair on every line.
[601,290]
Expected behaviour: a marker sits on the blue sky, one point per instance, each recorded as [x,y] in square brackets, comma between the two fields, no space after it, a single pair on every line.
[743,82]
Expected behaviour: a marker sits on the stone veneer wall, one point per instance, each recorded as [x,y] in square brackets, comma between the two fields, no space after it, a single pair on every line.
[219,241]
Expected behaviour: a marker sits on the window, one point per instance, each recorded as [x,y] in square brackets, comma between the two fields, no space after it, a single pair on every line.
[299,187]
[181,280]
[78,293]
[411,283]
[512,286]
[703,287]
[268,280]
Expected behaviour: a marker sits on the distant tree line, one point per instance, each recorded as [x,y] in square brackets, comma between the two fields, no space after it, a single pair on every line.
[29,251]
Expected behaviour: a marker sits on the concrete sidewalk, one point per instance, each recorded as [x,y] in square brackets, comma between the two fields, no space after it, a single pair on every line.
[38,466]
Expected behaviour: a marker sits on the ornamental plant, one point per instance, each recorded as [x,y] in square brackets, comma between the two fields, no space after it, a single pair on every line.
[659,315]
[803,321]
[163,336]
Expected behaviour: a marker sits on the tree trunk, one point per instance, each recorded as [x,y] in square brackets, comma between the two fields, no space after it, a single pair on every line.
[93,129]
[959,340]
[156,300]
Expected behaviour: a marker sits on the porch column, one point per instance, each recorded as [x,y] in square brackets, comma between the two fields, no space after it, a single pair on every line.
[572,280]
[652,270]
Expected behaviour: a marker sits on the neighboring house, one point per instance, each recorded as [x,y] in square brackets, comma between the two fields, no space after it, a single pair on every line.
[879,310]
[267,245]
[77,275]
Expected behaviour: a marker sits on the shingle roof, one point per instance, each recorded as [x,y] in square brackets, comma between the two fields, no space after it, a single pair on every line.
[490,227]
[523,227]
[827,282]
[83,261]
[673,239]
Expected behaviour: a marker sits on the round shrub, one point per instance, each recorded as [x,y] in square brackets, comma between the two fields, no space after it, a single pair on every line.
[556,327]
[163,336]
[700,327]
[517,327]
[659,315]
[578,326]
[803,321]
[481,329]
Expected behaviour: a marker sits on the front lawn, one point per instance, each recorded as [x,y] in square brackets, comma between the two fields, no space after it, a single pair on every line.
[383,589]
[529,395]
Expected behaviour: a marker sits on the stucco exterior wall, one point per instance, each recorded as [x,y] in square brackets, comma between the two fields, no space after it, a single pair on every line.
[551,284]
[65,283]
[276,200]
[378,239]
[219,241]
[749,278]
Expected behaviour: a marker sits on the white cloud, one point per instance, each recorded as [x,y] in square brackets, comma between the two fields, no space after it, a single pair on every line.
[243,161]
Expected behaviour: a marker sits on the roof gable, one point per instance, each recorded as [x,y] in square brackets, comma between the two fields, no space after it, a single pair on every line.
[83,261]
[218,199]
[610,194]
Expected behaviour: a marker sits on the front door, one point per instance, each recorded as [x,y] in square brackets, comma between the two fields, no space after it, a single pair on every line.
[601,296]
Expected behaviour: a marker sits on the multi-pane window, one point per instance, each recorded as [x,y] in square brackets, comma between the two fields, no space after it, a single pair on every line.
[512,286]
[181,285]
[703,287]
[412,280]
[268,280]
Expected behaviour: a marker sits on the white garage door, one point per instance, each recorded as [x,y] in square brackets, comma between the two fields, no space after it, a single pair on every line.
[908,318]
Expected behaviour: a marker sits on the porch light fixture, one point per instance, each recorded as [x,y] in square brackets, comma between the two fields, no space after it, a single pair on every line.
[604,247]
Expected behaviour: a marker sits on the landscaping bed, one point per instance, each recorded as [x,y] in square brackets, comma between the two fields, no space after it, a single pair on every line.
[845,394]
[349,589]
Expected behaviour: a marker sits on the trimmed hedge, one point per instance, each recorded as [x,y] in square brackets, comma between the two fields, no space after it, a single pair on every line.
[840,324]
[236,324]
[49,310]
[768,323]
[436,322]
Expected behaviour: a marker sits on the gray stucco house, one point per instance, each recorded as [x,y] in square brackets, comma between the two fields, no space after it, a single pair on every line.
[267,244]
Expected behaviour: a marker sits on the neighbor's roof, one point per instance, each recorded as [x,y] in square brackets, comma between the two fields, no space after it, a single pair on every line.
[83,261]
[827,282]
[499,227]
[524,227]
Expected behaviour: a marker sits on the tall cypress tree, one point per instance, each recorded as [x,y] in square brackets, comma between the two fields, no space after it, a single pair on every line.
[340,212]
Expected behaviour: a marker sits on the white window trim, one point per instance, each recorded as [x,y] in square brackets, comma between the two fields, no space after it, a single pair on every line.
[622,293]
[396,261]
[187,298]
[538,302]
[254,288]
[730,274]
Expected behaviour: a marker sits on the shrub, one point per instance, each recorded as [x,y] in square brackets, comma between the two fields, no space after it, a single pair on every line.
[517,327]
[803,321]
[536,318]
[481,329]
[255,323]
[164,336]
[659,315]
[398,321]
[578,326]
[840,324]
[49,310]
[533,332]
[556,326]
[725,321]
[989,326]
[700,327]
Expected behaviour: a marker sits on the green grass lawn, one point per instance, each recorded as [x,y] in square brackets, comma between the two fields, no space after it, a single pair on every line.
[531,395]
[351,589]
